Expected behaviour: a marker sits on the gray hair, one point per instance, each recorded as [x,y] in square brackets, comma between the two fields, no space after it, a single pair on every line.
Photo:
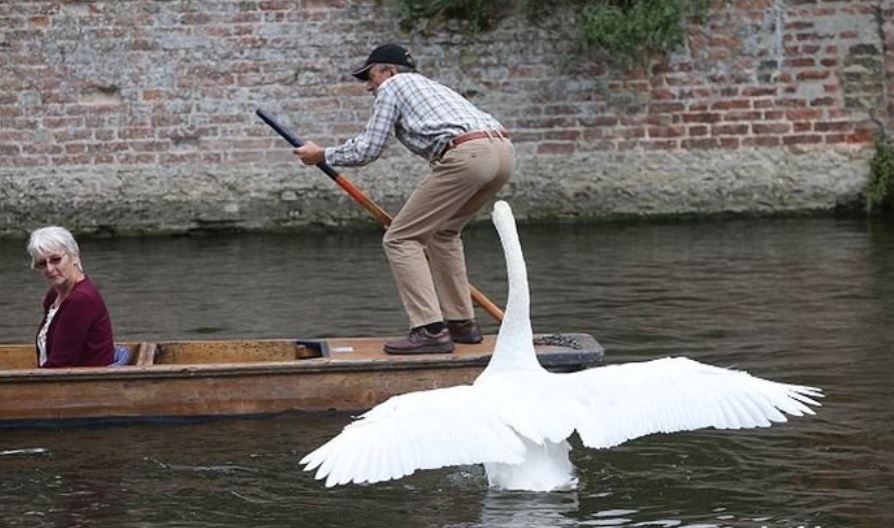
[401,68]
[52,238]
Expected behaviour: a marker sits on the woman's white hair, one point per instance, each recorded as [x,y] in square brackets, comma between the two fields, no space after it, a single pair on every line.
[49,239]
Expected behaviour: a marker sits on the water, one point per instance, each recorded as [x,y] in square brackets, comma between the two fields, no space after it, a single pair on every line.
[805,300]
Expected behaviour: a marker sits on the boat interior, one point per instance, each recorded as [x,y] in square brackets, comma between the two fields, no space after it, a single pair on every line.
[18,357]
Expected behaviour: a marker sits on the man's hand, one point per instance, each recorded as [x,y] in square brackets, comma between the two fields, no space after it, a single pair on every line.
[311,153]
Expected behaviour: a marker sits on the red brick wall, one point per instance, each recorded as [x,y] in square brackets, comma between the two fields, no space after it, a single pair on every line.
[886,16]
[761,73]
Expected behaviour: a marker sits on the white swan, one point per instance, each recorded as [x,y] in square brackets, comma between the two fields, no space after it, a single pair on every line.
[516,417]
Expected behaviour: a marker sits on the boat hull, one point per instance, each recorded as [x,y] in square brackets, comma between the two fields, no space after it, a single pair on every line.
[231,378]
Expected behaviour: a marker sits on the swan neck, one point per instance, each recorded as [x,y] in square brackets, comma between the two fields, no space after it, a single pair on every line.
[514,347]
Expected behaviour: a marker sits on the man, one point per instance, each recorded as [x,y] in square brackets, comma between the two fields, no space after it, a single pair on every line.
[471,158]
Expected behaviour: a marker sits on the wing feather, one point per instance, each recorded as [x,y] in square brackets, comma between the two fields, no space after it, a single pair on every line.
[622,402]
[419,430]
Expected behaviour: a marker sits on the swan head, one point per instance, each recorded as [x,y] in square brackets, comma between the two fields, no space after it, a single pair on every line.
[502,214]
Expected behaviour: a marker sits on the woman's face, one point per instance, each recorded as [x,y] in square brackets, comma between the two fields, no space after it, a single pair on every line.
[58,268]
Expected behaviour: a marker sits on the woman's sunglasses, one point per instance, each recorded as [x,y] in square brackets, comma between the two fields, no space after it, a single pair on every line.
[42,263]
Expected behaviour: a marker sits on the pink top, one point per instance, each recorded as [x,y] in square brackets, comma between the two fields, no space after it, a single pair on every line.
[80,334]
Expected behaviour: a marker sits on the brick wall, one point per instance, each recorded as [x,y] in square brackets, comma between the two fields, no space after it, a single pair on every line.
[886,21]
[135,115]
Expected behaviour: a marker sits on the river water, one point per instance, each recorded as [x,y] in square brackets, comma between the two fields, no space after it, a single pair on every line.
[804,300]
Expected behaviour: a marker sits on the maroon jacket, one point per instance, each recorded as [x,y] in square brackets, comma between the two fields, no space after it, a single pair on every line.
[80,334]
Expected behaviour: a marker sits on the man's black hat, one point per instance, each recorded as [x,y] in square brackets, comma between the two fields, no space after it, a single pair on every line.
[385,54]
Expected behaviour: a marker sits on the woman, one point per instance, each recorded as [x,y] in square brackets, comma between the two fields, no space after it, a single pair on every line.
[76,330]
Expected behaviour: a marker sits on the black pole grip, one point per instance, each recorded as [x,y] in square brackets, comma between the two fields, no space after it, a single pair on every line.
[294,140]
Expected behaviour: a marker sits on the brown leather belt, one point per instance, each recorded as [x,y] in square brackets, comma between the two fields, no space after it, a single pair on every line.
[469,136]
[478,134]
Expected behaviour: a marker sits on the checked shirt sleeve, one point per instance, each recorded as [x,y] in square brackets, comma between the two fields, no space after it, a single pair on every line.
[368,145]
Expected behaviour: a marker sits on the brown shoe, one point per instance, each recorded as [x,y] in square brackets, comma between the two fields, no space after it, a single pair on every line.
[468,331]
[421,341]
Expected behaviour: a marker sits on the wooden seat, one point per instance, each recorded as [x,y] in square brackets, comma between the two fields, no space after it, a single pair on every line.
[145,354]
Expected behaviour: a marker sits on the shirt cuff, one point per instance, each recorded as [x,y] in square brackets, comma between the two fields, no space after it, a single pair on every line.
[327,156]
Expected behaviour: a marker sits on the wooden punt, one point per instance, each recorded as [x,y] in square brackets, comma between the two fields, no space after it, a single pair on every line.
[191,379]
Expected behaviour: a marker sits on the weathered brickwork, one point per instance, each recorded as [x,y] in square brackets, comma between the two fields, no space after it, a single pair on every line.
[886,14]
[135,115]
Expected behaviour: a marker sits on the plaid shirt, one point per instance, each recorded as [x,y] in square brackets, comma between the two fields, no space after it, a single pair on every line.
[423,114]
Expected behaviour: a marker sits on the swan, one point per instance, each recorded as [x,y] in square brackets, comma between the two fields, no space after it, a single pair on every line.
[516,418]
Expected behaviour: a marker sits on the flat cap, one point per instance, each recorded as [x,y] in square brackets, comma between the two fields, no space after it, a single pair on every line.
[385,54]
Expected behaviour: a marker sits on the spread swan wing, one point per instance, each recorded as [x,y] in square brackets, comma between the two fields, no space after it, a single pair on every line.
[618,403]
[418,430]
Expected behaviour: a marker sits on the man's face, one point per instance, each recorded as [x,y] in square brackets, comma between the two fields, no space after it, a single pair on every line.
[377,75]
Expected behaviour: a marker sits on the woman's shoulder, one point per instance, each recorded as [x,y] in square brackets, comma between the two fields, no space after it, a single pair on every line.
[85,292]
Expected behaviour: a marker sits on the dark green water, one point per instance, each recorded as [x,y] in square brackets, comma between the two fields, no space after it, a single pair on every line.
[807,301]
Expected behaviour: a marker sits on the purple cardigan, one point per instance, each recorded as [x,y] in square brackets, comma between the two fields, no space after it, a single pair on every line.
[80,334]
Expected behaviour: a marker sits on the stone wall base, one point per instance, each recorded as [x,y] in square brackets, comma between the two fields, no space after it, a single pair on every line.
[293,197]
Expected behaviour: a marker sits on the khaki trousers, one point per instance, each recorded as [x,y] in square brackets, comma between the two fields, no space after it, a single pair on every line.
[467,177]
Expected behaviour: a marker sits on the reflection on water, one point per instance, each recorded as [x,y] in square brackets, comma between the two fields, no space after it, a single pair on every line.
[524,509]
[806,301]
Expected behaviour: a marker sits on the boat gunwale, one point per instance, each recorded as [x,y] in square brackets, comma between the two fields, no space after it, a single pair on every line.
[303,366]
[550,356]
[298,366]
